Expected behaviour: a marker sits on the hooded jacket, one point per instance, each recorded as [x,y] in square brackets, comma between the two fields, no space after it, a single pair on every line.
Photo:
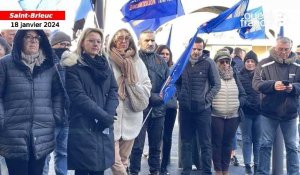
[274,104]
[30,102]
[90,144]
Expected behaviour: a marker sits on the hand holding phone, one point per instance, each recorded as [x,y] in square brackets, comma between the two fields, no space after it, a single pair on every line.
[285,82]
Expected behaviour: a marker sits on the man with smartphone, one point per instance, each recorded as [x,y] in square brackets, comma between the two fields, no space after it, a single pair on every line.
[277,78]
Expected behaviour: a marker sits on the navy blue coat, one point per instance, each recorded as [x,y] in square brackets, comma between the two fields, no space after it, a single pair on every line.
[30,103]
[89,148]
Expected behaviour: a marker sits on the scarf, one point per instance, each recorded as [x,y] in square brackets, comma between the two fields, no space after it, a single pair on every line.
[32,60]
[128,73]
[193,61]
[291,59]
[226,74]
[98,67]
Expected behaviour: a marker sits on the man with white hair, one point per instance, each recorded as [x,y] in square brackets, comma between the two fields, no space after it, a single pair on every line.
[277,78]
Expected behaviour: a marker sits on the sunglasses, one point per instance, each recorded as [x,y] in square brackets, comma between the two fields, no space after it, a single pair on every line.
[224,61]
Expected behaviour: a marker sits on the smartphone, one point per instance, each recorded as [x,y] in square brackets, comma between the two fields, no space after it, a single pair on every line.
[285,82]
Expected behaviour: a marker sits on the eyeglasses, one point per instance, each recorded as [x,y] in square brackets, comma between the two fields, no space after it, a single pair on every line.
[66,44]
[122,38]
[284,49]
[32,38]
[224,61]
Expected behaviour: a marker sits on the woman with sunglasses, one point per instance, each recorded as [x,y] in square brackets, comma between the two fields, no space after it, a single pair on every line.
[226,112]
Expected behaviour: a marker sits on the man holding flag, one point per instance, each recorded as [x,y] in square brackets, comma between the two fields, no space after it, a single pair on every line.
[197,86]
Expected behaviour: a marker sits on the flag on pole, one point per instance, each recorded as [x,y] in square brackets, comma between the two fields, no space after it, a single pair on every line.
[169,88]
[253,24]
[153,24]
[82,11]
[169,38]
[148,9]
[281,31]
[227,20]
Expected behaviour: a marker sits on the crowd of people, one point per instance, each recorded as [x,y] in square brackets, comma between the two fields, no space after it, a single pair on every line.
[93,106]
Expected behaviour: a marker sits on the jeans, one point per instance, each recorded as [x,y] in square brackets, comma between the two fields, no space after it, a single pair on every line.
[167,136]
[289,131]
[154,128]
[60,152]
[191,125]
[251,132]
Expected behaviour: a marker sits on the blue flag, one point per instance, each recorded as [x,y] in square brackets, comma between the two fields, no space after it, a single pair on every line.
[281,31]
[253,24]
[169,86]
[84,8]
[227,20]
[148,9]
[153,24]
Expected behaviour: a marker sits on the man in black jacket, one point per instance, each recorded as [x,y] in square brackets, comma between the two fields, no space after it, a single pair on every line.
[197,86]
[158,74]
[277,78]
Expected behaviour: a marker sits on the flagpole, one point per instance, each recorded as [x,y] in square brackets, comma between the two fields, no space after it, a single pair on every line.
[147,116]
[165,84]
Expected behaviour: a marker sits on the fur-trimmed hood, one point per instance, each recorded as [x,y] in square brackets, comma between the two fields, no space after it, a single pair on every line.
[291,59]
[69,59]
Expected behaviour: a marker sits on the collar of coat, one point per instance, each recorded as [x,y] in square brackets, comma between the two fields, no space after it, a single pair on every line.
[291,59]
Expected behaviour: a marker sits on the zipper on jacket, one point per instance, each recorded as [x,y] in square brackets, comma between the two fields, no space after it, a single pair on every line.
[33,139]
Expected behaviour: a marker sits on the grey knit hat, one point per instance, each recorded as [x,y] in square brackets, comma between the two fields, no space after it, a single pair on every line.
[222,54]
[59,37]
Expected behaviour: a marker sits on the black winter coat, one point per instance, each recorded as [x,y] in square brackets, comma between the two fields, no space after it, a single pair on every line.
[158,72]
[89,147]
[252,104]
[275,104]
[198,85]
[29,103]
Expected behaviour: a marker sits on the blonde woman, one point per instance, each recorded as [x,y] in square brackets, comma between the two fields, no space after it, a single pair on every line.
[92,90]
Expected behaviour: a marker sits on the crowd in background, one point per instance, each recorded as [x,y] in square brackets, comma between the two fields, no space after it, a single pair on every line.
[93,106]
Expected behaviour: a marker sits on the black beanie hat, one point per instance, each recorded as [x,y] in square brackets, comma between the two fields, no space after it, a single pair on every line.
[251,55]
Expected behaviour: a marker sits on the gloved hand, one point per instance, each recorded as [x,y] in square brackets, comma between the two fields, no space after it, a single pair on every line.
[155,100]
[107,121]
